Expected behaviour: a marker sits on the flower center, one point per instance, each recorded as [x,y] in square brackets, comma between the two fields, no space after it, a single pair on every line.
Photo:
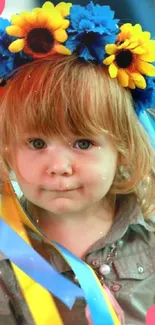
[88,38]
[40,40]
[124,58]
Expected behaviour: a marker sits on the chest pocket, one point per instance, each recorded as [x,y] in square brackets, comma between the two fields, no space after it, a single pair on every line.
[137,266]
[136,277]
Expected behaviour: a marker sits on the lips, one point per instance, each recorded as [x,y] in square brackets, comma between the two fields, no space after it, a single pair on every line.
[65,190]
[61,189]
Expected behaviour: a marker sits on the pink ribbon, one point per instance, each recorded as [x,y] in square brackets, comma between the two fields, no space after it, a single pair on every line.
[115,305]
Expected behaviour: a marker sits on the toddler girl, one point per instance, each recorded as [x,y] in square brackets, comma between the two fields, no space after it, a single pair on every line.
[76,89]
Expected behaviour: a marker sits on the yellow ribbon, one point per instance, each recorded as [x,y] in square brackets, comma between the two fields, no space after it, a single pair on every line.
[39,300]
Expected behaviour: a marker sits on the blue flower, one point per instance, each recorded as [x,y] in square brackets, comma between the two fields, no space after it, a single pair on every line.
[91,29]
[144,98]
[6,57]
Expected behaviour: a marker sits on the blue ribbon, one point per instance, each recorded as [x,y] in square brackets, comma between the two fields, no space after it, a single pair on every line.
[30,262]
[100,313]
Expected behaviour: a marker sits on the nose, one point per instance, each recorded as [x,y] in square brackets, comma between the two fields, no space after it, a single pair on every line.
[59,170]
[59,164]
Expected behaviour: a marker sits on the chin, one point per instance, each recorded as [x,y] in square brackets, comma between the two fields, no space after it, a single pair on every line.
[61,205]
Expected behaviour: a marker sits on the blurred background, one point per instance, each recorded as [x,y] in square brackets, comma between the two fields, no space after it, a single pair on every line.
[134,11]
[12,6]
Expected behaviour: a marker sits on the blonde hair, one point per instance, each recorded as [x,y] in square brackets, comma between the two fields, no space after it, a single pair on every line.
[49,91]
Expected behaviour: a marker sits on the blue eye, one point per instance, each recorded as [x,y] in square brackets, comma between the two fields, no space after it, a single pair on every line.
[37,143]
[84,144]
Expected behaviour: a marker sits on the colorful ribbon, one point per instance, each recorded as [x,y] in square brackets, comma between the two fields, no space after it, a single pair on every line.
[96,297]
[36,297]
[100,307]
[29,261]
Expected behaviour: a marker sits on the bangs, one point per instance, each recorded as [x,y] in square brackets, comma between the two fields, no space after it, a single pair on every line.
[57,95]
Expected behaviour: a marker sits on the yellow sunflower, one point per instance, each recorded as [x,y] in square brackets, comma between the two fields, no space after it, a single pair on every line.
[130,57]
[41,31]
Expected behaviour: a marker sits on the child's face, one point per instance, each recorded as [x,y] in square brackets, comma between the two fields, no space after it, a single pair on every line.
[65,176]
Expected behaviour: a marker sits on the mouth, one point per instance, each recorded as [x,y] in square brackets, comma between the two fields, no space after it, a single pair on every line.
[62,190]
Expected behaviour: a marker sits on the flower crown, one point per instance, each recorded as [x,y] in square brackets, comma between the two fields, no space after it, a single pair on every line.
[93,34]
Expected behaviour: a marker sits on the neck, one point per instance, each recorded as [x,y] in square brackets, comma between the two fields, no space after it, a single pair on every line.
[80,232]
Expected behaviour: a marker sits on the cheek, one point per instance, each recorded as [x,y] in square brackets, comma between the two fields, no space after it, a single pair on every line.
[99,171]
[26,168]
[106,172]
[90,174]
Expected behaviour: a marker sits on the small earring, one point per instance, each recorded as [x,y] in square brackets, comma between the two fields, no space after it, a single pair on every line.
[122,173]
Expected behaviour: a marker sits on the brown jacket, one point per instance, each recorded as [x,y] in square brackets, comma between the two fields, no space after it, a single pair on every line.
[129,249]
